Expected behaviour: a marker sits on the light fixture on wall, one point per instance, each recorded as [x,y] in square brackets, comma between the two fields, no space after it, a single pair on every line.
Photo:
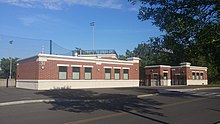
[42,67]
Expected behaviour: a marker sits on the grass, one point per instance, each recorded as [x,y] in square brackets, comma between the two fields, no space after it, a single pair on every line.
[214,84]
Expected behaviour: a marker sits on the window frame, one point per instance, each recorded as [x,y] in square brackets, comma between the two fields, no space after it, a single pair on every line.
[193,75]
[85,68]
[125,74]
[201,76]
[165,76]
[117,73]
[197,76]
[59,71]
[75,72]
[108,71]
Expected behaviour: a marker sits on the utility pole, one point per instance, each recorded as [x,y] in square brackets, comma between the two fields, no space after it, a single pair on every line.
[93,30]
[10,65]
[51,47]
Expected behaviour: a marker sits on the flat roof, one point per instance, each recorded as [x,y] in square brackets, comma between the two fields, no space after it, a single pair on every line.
[95,59]
[156,66]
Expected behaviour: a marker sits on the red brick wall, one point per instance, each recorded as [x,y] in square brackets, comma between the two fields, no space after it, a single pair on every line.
[200,71]
[150,71]
[188,72]
[134,72]
[32,69]
[165,69]
[159,70]
[27,70]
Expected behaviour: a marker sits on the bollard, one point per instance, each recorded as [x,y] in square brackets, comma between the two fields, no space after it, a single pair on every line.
[7,83]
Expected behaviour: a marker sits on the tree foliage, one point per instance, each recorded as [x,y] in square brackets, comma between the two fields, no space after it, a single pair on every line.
[192,30]
[5,67]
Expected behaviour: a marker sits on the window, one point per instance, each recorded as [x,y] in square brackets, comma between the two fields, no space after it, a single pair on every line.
[193,75]
[165,76]
[107,73]
[126,74]
[197,76]
[88,73]
[155,76]
[117,74]
[76,73]
[201,76]
[62,73]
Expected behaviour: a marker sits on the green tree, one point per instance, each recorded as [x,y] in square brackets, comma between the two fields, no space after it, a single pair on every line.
[5,67]
[191,27]
[150,53]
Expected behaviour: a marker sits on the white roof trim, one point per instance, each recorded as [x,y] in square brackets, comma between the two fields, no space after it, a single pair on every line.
[76,65]
[156,66]
[87,66]
[107,67]
[117,67]
[85,59]
[198,68]
[66,65]
[125,68]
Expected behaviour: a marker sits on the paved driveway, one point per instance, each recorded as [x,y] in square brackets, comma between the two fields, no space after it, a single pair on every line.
[16,94]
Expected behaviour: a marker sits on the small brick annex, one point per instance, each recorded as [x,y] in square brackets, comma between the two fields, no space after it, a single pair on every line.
[185,74]
[45,71]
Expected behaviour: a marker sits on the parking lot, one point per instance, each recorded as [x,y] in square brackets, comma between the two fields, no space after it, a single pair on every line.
[117,105]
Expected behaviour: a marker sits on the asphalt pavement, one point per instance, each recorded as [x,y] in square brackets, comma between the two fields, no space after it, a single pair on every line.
[12,95]
[115,107]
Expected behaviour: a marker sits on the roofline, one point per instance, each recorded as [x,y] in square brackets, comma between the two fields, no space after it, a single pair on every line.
[94,59]
[156,66]
[167,66]
[198,67]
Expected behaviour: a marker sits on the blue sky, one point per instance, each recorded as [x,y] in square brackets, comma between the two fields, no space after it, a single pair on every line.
[66,22]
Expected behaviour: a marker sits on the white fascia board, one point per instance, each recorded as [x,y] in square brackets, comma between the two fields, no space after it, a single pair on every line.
[76,65]
[198,68]
[66,65]
[125,68]
[117,67]
[42,59]
[156,66]
[85,59]
[107,67]
[87,66]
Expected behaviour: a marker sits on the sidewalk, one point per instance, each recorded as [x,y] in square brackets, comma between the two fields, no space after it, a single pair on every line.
[13,95]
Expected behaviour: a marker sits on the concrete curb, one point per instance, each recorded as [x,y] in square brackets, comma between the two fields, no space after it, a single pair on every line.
[26,101]
[61,100]
[193,89]
[146,95]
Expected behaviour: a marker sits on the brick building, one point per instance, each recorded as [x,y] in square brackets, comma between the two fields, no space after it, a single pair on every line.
[44,71]
[185,74]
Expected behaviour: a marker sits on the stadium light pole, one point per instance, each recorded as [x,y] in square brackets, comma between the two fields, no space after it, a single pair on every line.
[10,64]
[93,30]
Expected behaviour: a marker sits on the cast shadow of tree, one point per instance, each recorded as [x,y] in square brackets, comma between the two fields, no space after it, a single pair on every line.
[89,101]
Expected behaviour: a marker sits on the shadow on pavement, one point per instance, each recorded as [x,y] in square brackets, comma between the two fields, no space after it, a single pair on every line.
[89,101]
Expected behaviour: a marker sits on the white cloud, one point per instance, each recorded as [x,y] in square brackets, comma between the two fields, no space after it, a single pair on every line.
[59,4]
[113,4]
[29,20]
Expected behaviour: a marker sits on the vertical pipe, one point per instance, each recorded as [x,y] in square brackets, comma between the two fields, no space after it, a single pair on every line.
[10,68]
[50,46]
[93,29]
